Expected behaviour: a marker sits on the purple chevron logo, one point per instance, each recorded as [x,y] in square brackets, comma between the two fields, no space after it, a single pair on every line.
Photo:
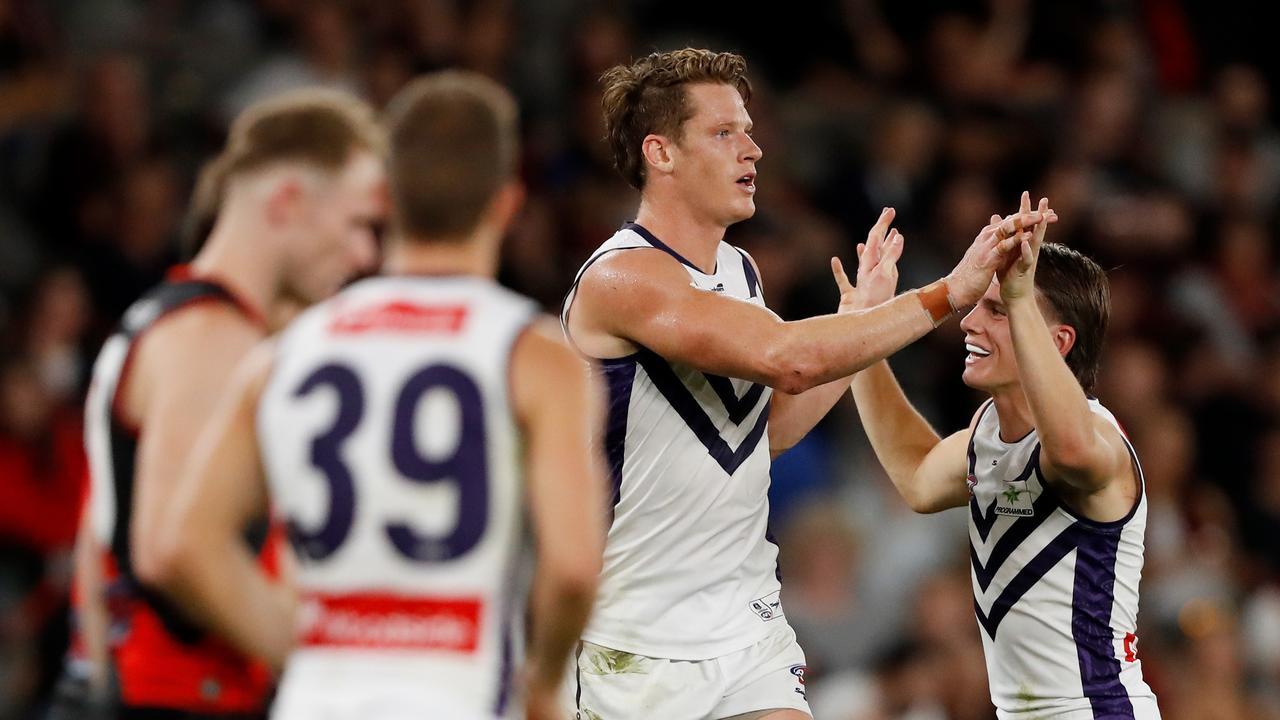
[695,416]
[737,407]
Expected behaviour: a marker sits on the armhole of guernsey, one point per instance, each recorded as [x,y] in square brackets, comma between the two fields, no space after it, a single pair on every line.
[1099,409]
[749,271]
[111,436]
[624,239]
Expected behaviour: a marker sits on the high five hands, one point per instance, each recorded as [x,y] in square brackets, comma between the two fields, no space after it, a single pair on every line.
[1006,248]
[1017,277]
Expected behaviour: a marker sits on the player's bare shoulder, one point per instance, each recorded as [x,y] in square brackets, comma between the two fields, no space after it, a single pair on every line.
[189,342]
[622,287]
[543,364]
[627,278]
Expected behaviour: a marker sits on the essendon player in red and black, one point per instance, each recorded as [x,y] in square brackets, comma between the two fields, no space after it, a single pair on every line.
[302,197]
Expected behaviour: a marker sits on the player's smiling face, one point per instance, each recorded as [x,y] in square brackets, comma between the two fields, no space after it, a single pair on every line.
[990,364]
[715,158]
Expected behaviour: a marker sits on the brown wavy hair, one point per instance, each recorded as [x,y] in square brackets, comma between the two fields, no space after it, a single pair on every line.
[648,97]
[1077,292]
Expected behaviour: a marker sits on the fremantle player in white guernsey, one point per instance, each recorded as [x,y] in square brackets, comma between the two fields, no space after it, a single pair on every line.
[705,386]
[398,429]
[1054,490]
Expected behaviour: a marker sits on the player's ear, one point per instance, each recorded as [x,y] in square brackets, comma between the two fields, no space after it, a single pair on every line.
[505,205]
[657,153]
[1064,336]
[283,199]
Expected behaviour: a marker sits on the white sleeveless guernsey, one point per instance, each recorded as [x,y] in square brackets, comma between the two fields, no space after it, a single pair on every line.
[391,450]
[1056,594]
[689,572]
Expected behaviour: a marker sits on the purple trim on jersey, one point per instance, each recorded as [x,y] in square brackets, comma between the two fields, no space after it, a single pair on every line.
[1091,603]
[620,376]
[511,609]
[769,538]
[687,407]
[1102,525]
[748,269]
[577,677]
[566,305]
[1017,533]
[504,671]
[983,522]
[653,240]
[1027,577]
[1019,530]
[737,407]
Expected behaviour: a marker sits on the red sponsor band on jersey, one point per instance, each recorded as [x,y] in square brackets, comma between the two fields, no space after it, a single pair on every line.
[400,316]
[378,620]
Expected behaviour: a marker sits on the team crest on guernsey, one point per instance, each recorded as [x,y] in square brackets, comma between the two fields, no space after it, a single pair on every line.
[1015,499]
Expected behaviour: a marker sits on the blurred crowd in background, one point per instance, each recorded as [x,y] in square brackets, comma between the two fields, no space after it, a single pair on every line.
[1150,124]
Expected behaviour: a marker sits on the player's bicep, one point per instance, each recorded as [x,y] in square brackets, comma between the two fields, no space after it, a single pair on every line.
[941,480]
[646,298]
[1105,458]
[559,409]
[186,376]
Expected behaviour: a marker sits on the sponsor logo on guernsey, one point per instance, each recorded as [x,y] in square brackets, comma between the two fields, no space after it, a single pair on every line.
[399,316]
[768,607]
[386,621]
[1015,499]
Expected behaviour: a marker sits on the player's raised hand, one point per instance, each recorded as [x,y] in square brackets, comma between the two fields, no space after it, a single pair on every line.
[877,276]
[990,251]
[1017,278]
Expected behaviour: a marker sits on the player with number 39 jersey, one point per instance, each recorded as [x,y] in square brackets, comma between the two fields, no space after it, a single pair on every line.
[389,443]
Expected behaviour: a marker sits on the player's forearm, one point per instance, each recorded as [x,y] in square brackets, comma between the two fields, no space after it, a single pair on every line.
[899,435]
[561,608]
[1058,404]
[229,592]
[793,416]
[830,347]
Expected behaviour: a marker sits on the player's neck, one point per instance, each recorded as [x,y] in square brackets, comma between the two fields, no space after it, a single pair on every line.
[677,225]
[1014,413]
[237,257]
[470,256]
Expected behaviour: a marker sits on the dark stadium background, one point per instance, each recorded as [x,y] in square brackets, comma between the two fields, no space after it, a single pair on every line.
[1150,124]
